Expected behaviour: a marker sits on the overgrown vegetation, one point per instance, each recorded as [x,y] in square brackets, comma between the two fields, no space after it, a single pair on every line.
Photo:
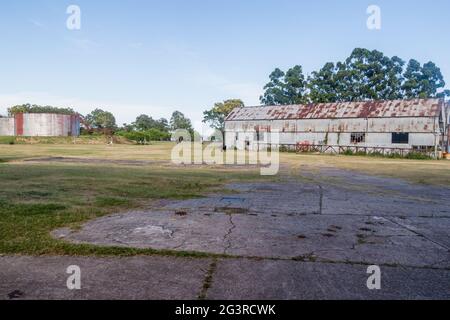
[391,155]
[33,108]
[145,136]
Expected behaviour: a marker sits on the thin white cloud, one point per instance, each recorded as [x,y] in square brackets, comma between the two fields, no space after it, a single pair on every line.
[37,23]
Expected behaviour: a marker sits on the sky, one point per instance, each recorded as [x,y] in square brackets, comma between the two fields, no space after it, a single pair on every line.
[154,57]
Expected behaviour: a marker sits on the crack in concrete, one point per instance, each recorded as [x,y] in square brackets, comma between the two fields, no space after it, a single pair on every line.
[320,199]
[349,262]
[226,238]
[419,234]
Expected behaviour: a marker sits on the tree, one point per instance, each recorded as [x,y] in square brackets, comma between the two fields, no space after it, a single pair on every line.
[127,127]
[365,75]
[162,125]
[323,86]
[179,121]
[100,119]
[285,88]
[370,75]
[424,81]
[215,117]
[145,122]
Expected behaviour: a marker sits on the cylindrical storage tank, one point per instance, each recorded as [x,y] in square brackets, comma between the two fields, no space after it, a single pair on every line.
[6,127]
[47,125]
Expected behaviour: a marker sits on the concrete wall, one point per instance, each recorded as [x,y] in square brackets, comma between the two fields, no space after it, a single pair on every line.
[423,131]
[6,127]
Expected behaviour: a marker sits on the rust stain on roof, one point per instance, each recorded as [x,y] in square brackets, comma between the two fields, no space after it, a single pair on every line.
[369,109]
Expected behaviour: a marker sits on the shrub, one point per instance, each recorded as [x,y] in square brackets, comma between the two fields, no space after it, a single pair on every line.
[143,136]
[418,156]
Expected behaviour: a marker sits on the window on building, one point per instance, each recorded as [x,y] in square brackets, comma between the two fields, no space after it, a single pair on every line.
[358,137]
[259,136]
[400,138]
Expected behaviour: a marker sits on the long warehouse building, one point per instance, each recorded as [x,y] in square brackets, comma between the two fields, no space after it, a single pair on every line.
[420,125]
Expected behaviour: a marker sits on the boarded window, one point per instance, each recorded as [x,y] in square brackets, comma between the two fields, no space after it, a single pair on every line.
[400,138]
[358,138]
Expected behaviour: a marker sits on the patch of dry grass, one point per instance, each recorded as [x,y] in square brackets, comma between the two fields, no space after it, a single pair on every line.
[434,172]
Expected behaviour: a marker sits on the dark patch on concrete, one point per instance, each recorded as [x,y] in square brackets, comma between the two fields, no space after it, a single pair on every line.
[264,220]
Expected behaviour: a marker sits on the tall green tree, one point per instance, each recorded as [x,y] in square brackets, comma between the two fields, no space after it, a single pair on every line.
[323,86]
[215,117]
[424,81]
[285,88]
[145,122]
[369,75]
[364,75]
[101,119]
[179,121]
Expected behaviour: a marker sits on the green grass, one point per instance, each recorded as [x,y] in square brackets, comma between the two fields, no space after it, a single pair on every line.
[36,199]
[91,139]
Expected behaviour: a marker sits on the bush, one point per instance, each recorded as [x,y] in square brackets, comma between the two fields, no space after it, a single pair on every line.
[145,136]
[418,156]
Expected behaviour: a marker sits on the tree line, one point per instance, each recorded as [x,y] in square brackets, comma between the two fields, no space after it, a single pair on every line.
[364,76]
[100,121]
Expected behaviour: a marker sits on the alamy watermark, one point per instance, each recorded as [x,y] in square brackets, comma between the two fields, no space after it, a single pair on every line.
[74,280]
[242,148]
[374,19]
[374,280]
[73,22]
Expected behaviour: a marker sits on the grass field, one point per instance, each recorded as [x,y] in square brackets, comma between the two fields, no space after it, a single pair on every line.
[36,198]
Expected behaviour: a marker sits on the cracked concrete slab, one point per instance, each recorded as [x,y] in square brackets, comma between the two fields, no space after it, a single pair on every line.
[291,280]
[154,277]
[357,220]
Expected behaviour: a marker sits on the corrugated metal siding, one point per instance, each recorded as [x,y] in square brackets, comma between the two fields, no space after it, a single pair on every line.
[422,131]
[47,125]
[19,124]
[7,127]
[418,125]
[370,109]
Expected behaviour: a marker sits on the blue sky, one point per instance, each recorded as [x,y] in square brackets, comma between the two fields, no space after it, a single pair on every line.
[154,57]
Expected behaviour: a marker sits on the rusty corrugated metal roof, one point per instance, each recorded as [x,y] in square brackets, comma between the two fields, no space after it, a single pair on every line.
[367,109]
